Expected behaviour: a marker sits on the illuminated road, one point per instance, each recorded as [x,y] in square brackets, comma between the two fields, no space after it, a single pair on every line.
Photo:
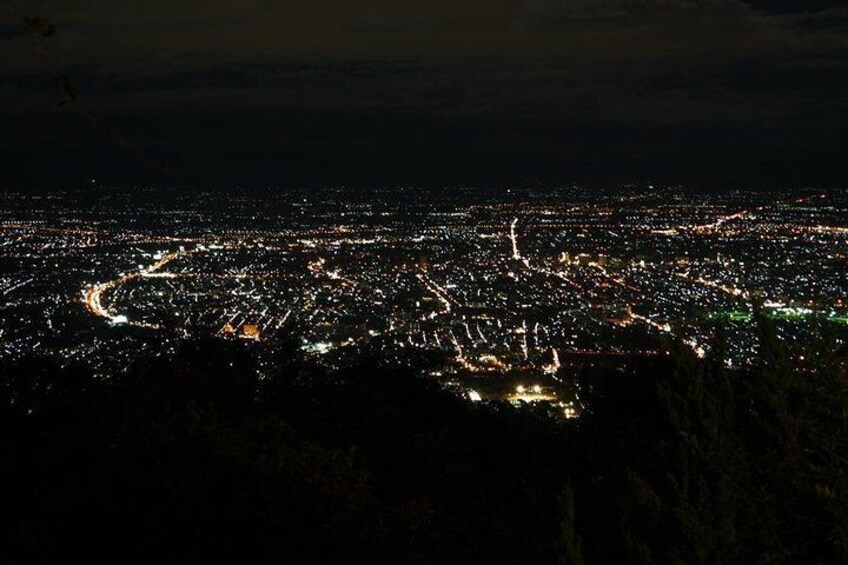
[92,296]
[514,239]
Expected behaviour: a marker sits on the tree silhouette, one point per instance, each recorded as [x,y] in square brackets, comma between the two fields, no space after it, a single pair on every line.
[39,28]
[193,456]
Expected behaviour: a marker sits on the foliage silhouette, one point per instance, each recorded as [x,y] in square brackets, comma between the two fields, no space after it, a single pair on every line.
[195,457]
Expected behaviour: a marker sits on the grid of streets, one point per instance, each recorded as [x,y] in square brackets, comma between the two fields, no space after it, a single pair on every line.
[462,281]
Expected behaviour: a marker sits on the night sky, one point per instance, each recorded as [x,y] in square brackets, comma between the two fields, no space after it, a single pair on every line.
[435,91]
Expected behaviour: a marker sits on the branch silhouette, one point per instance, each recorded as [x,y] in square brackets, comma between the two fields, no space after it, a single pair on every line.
[40,28]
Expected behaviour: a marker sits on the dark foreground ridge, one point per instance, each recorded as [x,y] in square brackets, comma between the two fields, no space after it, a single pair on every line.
[193,458]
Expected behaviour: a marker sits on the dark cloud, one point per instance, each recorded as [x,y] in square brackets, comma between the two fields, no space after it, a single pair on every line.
[794,6]
[561,85]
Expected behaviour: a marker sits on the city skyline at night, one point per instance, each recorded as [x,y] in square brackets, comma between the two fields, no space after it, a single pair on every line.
[425,282]
[462,283]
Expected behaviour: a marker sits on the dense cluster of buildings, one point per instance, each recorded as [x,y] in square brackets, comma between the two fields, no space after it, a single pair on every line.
[464,283]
